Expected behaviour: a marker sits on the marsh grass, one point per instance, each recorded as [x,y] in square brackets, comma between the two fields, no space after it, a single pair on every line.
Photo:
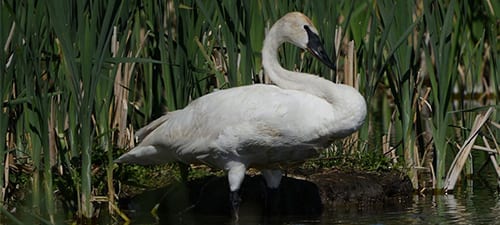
[77,77]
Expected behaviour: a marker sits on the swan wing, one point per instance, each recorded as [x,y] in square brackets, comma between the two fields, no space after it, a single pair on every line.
[232,122]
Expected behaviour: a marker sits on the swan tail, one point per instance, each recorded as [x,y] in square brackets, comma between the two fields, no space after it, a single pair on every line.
[146,130]
[146,155]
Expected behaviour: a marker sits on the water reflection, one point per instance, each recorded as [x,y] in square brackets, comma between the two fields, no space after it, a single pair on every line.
[468,206]
[479,207]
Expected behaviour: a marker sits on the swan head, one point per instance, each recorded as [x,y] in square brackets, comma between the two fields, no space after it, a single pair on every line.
[298,29]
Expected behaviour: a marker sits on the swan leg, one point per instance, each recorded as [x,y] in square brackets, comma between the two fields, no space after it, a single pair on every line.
[184,171]
[235,175]
[272,195]
[272,177]
[235,201]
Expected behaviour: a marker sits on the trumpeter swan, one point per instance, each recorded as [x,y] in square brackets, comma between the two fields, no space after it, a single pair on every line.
[261,126]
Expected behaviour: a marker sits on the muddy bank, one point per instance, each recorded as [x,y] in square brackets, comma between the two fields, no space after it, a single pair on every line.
[361,189]
[305,195]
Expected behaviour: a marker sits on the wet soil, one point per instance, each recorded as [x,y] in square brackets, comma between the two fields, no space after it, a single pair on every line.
[304,193]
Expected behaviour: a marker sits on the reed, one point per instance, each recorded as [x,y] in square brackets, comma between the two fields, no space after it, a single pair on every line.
[78,76]
[5,87]
[401,70]
[441,51]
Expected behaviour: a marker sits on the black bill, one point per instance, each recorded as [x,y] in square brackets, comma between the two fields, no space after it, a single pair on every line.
[315,47]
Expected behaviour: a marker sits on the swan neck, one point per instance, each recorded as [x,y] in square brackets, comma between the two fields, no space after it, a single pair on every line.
[272,42]
[335,94]
[347,103]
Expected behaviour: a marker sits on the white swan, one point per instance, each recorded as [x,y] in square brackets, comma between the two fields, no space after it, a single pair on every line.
[260,126]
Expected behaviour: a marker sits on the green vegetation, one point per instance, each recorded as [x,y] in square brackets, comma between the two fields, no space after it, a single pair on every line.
[78,77]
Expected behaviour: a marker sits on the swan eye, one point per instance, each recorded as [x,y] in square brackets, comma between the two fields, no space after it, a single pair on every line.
[307,28]
[313,37]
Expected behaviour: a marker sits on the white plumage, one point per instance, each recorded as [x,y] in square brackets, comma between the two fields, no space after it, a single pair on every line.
[261,126]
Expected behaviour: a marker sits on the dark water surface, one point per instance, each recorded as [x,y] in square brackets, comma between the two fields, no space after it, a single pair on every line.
[480,205]
[472,206]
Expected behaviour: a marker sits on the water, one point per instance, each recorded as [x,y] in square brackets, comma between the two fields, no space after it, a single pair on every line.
[478,207]
[473,206]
